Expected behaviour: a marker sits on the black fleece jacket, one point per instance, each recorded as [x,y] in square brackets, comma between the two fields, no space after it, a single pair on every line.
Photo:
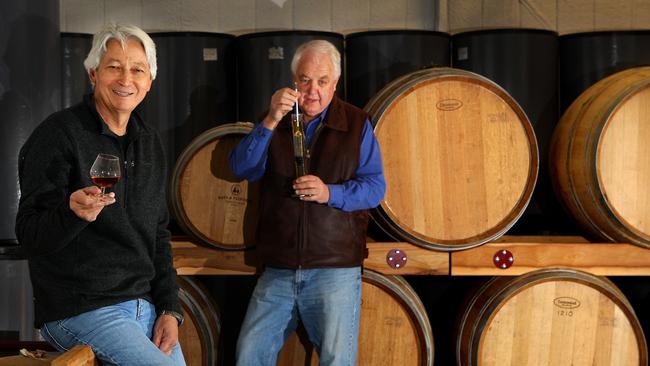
[77,266]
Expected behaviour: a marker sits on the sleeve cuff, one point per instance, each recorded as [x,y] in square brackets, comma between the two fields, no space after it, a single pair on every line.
[262,131]
[336,195]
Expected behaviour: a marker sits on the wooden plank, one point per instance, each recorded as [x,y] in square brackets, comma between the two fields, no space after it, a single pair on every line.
[191,259]
[603,259]
[419,260]
[79,355]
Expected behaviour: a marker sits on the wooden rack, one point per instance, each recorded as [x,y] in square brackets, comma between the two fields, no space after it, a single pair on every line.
[528,253]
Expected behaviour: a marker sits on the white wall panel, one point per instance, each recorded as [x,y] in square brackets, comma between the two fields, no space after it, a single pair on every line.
[465,15]
[161,15]
[443,16]
[84,16]
[387,14]
[312,14]
[641,14]
[63,12]
[538,14]
[346,16]
[199,15]
[613,15]
[123,11]
[236,17]
[500,14]
[575,16]
[350,15]
[421,14]
[274,14]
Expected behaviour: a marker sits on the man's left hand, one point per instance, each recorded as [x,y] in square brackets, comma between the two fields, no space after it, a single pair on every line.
[311,188]
[165,333]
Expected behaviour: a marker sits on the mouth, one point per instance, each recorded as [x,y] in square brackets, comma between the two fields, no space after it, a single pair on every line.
[120,93]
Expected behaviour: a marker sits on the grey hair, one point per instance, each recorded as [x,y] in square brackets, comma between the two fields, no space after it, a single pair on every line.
[321,47]
[121,33]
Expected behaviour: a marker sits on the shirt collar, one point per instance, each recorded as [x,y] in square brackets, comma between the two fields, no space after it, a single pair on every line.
[132,128]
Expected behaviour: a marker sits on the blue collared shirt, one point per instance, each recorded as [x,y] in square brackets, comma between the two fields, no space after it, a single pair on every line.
[366,190]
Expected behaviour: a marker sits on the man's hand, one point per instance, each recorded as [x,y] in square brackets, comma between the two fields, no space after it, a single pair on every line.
[165,333]
[282,102]
[87,204]
[311,188]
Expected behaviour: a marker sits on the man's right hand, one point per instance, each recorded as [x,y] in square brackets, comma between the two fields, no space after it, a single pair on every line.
[282,101]
[87,204]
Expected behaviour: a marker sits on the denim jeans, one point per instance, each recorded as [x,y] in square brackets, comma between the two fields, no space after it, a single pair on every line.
[327,301]
[119,334]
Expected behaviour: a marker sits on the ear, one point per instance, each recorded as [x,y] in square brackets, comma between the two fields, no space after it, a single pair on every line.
[92,75]
[148,86]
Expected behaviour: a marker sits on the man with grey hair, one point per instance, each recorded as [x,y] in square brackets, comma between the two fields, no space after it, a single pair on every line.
[312,228]
[101,265]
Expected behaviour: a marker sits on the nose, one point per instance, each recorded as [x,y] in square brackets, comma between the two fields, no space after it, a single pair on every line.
[124,77]
[312,86]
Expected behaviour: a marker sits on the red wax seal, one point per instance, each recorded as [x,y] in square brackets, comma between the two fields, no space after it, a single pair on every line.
[503,259]
[396,258]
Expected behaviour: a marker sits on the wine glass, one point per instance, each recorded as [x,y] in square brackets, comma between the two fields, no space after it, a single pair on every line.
[105,172]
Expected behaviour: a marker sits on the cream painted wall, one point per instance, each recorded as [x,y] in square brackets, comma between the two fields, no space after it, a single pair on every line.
[245,16]
[562,16]
[346,16]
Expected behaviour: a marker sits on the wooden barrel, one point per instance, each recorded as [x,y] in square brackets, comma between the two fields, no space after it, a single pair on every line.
[208,201]
[200,333]
[460,158]
[550,317]
[393,330]
[600,158]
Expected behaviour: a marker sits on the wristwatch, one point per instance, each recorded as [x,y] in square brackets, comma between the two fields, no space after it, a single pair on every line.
[176,315]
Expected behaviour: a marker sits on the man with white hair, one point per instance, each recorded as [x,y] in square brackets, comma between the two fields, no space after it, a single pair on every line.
[312,228]
[100,265]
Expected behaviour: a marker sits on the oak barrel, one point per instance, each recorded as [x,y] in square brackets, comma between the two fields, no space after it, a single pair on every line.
[208,201]
[550,317]
[199,335]
[460,158]
[600,158]
[394,328]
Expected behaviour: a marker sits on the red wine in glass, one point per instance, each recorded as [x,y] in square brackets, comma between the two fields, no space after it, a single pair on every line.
[105,182]
[105,172]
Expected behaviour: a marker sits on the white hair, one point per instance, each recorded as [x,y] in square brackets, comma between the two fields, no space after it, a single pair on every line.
[319,46]
[121,33]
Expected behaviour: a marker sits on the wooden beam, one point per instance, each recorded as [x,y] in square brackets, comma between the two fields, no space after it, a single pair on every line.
[603,259]
[192,259]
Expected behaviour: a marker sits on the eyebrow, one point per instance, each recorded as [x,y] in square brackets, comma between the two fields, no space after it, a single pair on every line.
[136,63]
[320,78]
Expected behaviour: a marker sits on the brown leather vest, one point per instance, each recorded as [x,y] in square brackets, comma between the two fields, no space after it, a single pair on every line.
[298,234]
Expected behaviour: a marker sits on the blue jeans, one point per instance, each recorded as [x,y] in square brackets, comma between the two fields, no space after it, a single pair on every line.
[119,334]
[327,301]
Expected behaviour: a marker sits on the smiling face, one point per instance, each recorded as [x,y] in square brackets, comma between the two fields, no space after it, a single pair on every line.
[316,83]
[121,80]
